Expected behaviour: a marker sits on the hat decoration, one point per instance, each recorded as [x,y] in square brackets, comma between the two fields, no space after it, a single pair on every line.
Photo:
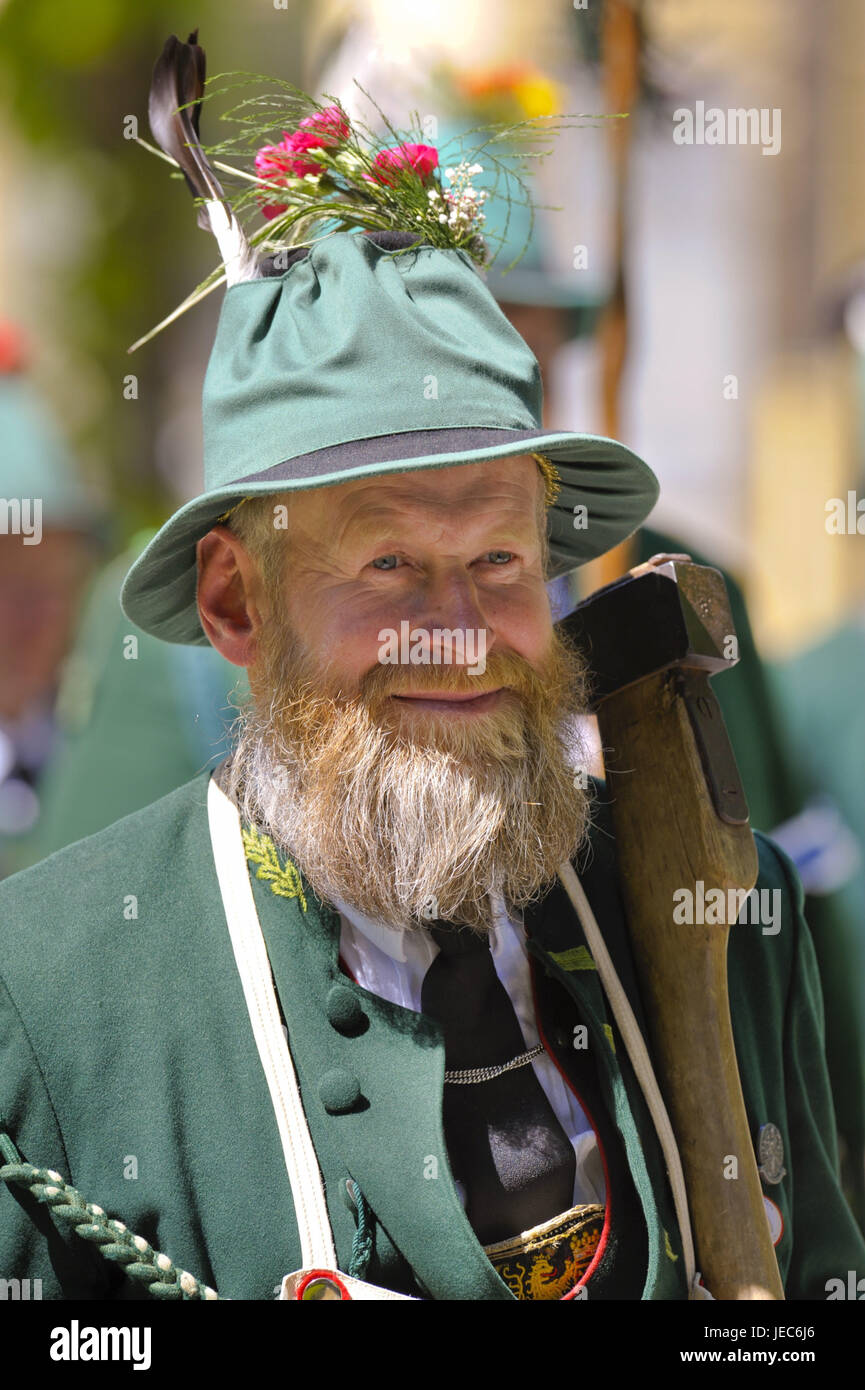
[326,173]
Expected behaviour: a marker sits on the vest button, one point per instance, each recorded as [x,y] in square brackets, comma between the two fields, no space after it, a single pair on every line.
[344,1010]
[339,1091]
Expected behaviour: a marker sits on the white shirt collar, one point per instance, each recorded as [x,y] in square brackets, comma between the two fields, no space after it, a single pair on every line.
[397,942]
[391,940]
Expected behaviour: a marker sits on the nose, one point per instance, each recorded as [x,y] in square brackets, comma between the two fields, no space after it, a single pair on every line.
[450,600]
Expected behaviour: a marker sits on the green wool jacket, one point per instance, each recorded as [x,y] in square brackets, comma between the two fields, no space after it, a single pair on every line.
[128,1064]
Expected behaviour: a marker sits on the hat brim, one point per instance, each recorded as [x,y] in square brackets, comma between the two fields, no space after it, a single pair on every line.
[616,488]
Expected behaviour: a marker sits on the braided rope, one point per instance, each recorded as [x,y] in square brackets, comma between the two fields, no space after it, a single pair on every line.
[361,1246]
[114,1240]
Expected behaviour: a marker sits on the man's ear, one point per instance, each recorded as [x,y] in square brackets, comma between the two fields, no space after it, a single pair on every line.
[229,595]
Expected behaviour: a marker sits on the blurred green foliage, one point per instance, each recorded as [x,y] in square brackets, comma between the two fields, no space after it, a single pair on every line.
[70,76]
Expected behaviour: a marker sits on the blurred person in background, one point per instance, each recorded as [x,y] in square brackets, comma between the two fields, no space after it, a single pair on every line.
[50,540]
[137,717]
[96,717]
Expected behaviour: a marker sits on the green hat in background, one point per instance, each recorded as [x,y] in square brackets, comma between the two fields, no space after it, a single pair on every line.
[34,462]
[523,272]
[367,353]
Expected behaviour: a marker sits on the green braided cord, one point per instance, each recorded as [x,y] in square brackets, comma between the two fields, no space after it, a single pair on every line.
[8,1149]
[361,1246]
[113,1240]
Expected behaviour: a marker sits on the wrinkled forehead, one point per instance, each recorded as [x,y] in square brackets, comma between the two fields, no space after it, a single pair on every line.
[511,488]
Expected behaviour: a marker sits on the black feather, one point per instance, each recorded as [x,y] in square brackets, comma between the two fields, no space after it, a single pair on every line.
[178,79]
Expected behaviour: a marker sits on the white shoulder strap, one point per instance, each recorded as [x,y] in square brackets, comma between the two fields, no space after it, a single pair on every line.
[250,954]
[641,1062]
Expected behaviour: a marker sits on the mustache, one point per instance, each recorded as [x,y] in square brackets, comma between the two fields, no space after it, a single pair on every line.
[502,669]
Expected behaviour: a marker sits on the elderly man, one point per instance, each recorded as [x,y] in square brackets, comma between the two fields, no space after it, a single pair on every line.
[384,840]
[326,1023]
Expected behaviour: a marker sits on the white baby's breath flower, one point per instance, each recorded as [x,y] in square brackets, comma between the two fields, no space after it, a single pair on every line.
[475,169]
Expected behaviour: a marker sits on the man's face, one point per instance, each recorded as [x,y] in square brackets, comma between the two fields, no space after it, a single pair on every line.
[448,549]
[414,789]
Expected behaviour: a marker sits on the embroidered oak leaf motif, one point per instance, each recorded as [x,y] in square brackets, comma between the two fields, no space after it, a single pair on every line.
[577,958]
[284,879]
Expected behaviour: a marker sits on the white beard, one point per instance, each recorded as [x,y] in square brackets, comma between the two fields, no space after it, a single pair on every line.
[411,827]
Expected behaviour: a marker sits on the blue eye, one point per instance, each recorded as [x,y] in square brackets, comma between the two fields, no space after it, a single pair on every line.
[503,556]
[380,558]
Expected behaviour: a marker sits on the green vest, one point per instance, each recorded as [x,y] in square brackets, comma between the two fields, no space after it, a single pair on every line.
[128,1063]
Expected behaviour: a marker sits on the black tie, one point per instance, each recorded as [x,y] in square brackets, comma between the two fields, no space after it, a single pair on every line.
[505,1144]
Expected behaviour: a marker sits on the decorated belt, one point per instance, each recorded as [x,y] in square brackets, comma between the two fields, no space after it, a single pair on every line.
[547,1261]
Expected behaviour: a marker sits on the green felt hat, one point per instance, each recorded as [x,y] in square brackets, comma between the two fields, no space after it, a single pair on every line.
[374,354]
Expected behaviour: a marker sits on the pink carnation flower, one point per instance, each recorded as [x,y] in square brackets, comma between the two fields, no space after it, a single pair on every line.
[271,210]
[330,124]
[298,142]
[323,129]
[272,162]
[421,158]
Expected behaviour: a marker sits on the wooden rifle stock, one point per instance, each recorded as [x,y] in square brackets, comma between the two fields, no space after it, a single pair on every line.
[681,823]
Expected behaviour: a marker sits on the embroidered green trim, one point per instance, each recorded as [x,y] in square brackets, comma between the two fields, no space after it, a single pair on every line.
[577,958]
[284,879]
